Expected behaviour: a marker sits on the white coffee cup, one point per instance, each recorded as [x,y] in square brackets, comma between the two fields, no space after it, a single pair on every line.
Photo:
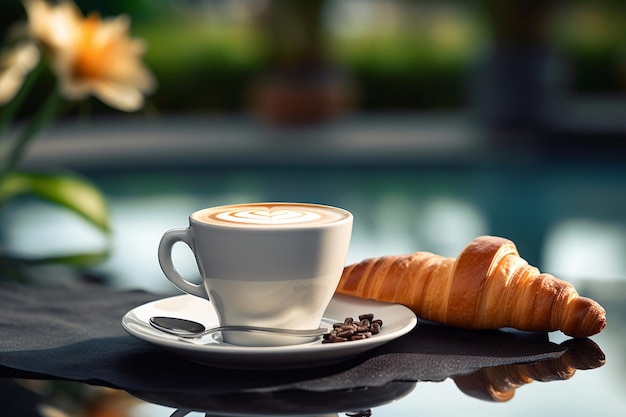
[264,264]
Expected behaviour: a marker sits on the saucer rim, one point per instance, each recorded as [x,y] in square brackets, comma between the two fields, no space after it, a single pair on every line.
[399,321]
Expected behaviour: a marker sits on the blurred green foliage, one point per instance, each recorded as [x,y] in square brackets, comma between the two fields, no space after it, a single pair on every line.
[201,66]
[592,35]
[205,56]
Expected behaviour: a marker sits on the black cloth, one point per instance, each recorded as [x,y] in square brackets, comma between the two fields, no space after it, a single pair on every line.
[76,334]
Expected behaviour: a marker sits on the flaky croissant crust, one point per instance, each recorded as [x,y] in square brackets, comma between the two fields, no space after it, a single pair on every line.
[488,286]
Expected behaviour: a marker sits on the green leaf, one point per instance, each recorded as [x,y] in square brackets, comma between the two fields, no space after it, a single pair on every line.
[69,191]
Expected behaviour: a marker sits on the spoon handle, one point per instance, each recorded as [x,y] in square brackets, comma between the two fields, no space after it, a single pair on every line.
[191,330]
[291,332]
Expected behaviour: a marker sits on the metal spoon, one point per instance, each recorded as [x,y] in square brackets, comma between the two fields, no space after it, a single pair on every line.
[193,330]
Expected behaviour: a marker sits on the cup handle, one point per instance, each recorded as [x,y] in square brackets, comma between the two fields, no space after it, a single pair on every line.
[165,260]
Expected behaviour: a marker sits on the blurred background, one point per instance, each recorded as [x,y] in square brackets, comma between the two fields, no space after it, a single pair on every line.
[432,121]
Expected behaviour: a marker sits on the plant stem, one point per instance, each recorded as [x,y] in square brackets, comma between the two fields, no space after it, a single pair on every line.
[45,113]
[14,105]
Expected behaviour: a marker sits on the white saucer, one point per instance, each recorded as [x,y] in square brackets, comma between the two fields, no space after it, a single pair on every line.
[210,350]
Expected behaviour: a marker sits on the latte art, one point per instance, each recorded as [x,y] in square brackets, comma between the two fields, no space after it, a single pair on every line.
[279,216]
[272,214]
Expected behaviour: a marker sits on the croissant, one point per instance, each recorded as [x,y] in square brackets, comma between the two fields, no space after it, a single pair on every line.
[488,286]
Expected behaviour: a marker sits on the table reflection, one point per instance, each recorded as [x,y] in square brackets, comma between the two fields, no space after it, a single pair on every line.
[493,383]
[498,383]
[430,353]
[358,401]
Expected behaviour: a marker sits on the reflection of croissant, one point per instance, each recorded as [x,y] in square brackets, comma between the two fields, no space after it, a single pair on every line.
[499,383]
[488,286]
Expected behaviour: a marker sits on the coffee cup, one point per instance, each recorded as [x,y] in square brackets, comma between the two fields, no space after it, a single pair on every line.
[264,264]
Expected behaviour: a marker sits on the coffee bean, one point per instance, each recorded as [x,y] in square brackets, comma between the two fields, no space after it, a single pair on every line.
[345,327]
[368,317]
[346,333]
[349,330]
[375,328]
[338,339]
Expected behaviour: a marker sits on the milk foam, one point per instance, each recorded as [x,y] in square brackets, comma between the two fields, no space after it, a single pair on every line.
[270,214]
[265,216]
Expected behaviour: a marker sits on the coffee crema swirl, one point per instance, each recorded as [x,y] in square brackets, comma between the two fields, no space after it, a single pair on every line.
[270,214]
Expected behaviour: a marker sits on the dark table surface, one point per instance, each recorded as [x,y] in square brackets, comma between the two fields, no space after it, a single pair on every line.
[434,370]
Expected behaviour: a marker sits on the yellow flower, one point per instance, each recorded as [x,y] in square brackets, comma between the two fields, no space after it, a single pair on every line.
[15,64]
[91,55]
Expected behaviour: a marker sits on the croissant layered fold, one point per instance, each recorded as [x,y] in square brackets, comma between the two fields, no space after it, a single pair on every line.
[488,286]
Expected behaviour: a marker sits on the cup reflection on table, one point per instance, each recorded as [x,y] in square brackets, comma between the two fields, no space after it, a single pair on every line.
[354,402]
